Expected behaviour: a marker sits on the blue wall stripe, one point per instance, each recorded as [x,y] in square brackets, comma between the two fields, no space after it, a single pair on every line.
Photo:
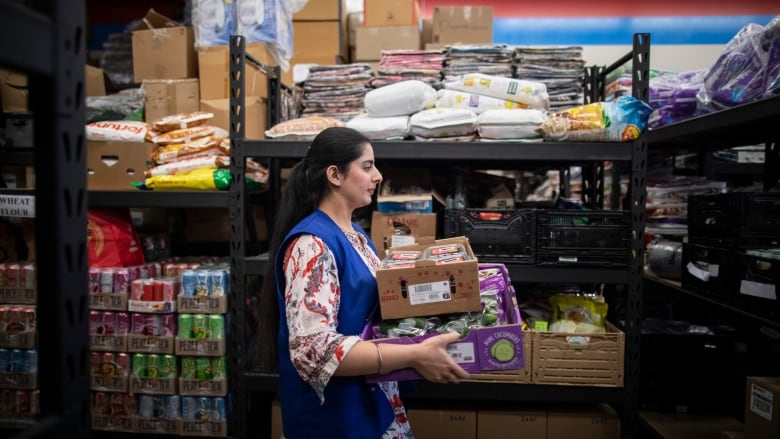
[620,30]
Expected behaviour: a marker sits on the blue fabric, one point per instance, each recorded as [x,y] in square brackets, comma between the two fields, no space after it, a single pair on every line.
[352,408]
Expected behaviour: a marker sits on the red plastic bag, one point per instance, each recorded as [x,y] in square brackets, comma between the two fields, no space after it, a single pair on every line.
[111,239]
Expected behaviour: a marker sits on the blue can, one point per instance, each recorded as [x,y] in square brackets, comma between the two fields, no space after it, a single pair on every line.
[5,360]
[31,360]
[188,282]
[219,282]
[203,408]
[19,362]
[188,407]
[159,407]
[172,407]
[146,406]
[219,409]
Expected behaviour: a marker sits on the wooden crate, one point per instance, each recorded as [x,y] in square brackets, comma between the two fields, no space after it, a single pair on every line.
[579,359]
[516,376]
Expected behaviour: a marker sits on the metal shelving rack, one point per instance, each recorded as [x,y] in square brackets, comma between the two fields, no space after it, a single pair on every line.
[49,45]
[494,154]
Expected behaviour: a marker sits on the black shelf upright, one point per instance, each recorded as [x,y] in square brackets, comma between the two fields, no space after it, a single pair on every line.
[48,43]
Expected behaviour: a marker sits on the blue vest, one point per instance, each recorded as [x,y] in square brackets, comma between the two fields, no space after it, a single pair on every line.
[352,407]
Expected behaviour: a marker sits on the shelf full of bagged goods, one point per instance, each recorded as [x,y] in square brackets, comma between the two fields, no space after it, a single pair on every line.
[499,155]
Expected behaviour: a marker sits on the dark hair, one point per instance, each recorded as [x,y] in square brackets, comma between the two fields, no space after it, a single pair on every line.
[301,195]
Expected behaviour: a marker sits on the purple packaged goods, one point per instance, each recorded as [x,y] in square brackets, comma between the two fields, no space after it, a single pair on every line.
[167,325]
[134,273]
[121,280]
[138,324]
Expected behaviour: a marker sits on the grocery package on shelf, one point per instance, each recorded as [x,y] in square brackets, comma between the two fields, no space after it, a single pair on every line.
[491,335]
[560,69]
[622,120]
[336,91]
[304,128]
[403,65]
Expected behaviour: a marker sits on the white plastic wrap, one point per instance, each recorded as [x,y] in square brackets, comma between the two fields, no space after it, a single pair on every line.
[213,22]
[381,128]
[476,103]
[400,99]
[531,93]
[443,122]
[510,124]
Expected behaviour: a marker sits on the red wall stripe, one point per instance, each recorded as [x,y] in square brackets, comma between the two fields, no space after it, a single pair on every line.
[612,8]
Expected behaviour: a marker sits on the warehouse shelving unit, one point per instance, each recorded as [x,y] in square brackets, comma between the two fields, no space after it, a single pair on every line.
[493,156]
[48,45]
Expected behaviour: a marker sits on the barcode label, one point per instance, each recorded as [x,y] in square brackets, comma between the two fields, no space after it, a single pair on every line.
[429,293]
[761,402]
[461,352]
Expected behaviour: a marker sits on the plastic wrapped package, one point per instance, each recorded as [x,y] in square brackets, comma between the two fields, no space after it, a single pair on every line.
[510,124]
[619,121]
[443,122]
[770,40]
[213,22]
[204,179]
[577,314]
[479,104]
[664,258]
[381,128]
[673,97]
[402,98]
[531,93]
[739,74]
[118,106]
[304,128]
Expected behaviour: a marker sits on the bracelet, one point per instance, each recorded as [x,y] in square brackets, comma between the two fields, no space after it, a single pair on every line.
[380,371]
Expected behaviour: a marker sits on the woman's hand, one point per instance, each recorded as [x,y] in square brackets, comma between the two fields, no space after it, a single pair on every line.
[434,363]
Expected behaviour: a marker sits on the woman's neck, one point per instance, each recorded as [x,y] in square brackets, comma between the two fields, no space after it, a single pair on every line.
[342,217]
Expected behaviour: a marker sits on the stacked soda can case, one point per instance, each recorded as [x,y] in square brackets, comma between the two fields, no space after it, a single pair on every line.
[142,380]
[19,394]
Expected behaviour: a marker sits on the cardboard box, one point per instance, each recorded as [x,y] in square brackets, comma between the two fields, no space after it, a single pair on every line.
[437,424]
[391,13]
[115,165]
[427,31]
[13,91]
[163,49]
[95,80]
[213,224]
[393,230]
[318,10]
[214,71]
[370,41]
[428,289]
[762,408]
[354,22]
[163,97]
[598,422]
[317,39]
[494,424]
[276,420]
[481,350]
[463,24]
[255,115]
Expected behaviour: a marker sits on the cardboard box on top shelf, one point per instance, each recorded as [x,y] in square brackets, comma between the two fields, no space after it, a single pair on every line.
[115,165]
[163,49]
[163,97]
[254,114]
[319,10]
[370,41]
[493,424]
[450,424]
[462,24]
[599,421]
[397,229]
[317,39]
[13,91]
[95,80]
[214,71]
[391,13]
[762,407]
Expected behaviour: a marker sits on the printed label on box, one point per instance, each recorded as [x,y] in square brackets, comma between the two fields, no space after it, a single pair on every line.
[462,352]
[161,426]
[761,401]
[429,293]
[109,383]
[15,295]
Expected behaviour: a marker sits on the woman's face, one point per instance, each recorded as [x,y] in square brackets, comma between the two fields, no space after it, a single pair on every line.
[362,179]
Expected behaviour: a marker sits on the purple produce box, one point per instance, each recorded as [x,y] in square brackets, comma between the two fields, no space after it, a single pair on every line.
[482,350]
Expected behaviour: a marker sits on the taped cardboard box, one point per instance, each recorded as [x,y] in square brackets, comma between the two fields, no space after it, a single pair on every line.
[762,407]
[163,97]
[318,10]
[318,39]
[115,165]
[399,229]
[462,24]
[163,49]
[426,288]
[255,115]
[13,91]
[450,424]
[214,71]
[370,41]
[391,13]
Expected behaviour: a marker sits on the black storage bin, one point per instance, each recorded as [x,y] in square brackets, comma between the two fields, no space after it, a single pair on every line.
[710,271]
[494,235]
[744,219]
[758,281]
[583,238]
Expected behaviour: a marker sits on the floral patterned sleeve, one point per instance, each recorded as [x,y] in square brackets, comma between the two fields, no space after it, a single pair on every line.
[312,298]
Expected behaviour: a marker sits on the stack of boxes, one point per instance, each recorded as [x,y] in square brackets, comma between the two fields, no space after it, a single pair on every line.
[386,25]
[319,33]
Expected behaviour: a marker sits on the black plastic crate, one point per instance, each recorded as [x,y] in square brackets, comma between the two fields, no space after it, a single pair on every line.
[573,237]
[495,235]
[710,271]
[743,219]
[758,281]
